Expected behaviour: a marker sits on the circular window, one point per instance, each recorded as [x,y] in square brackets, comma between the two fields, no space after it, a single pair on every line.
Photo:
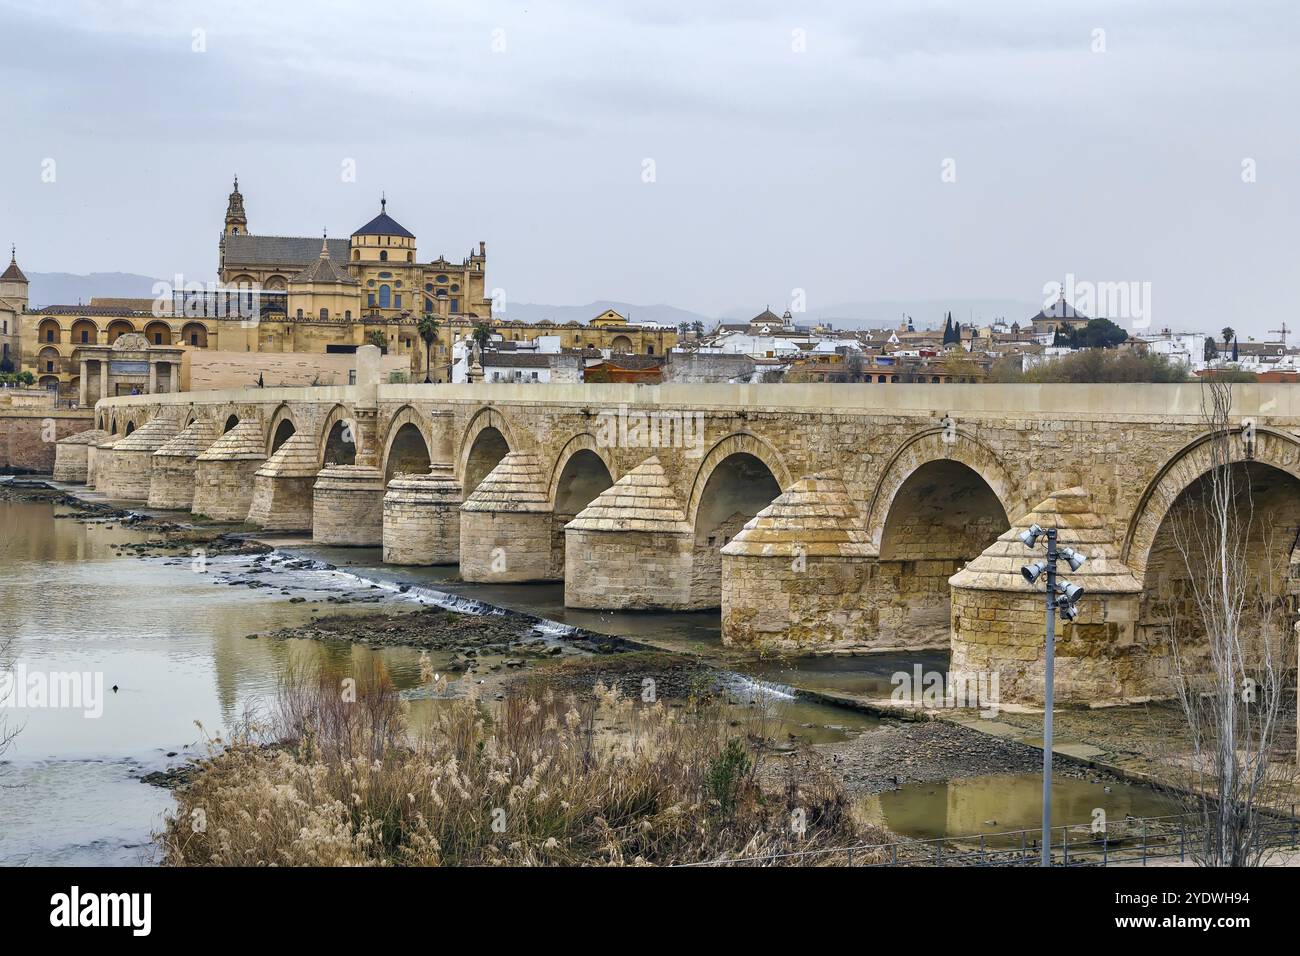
[442,278]
[385,275]
[428,287]
[455,287]
[370,282]
[398,283]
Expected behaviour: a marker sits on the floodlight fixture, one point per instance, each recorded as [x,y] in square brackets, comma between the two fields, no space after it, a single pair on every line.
[1074,557]
[1071,592]
[1068,611]
[1031,535]
[1031,572]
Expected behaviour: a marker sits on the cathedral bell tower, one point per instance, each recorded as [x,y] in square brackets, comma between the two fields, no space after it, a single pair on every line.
[236,220]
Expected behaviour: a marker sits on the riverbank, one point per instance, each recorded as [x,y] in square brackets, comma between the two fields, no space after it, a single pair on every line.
[829,717]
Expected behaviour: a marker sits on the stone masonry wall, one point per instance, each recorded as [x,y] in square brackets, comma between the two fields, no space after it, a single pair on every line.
[627,570]
[129,475]
[505,546]
[171,485]
[421,533]
[281,504]
[769,602]
[1098,658]
[70,463]
[223,490]
[28,436]
[348,517]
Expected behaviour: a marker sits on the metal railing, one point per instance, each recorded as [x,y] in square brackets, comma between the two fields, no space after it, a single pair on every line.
[1132,841]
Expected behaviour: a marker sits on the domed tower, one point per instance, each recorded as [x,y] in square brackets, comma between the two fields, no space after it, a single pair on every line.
[383,239]
[13,284]
[236,219]
[382,257]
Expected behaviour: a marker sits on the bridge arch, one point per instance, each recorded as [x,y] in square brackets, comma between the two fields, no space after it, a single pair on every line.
[739,477]
[582,471]
[338,437]
[407,449]
[584,442]
[738,443]
[487,439]
[931,446]
[1188,465]
[283,427]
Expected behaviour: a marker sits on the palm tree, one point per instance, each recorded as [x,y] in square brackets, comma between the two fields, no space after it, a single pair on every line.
[1228,335]
[428,329]
[482,334]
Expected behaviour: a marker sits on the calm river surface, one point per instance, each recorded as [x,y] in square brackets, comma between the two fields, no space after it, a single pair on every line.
[175,643]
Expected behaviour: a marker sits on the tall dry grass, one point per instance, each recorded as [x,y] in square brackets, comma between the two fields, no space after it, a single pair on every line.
[534,780]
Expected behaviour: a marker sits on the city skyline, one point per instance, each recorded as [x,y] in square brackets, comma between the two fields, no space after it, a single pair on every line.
[841,156]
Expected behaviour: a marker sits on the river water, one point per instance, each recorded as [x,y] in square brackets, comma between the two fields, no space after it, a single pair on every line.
[175,644]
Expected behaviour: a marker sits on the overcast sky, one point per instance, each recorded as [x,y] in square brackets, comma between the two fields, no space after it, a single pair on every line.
[794,146]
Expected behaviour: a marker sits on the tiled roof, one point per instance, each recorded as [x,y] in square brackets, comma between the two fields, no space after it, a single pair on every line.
[816,518]
[13,273]
[285,251]
[516,484]
[642,500]
[195,439]
[324,270]
[243,442]
[150,436]
[517,360]
[92,437]
[296,458]
[384,225]
[87,310]
[1079,527]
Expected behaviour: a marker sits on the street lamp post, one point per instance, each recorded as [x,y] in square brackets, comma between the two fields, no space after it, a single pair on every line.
[1049,686]
[1061,595]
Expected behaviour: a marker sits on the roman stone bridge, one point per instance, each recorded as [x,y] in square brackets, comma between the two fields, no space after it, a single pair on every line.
[818,518]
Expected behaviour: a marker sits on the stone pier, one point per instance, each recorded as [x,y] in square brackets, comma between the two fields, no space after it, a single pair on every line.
[98,455]
[793,578]
[223,476]
[999,618]
[71,454]
[131,462]
[422,518]
[631,548]
[505,525]
[282,487]
[172,483]
[348,506]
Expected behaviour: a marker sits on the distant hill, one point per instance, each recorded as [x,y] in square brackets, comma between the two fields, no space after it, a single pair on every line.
[64,288]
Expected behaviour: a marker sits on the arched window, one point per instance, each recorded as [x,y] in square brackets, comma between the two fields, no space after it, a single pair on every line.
[300,313]
[383,255]
[385,296]
[324,315]
[347,314]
